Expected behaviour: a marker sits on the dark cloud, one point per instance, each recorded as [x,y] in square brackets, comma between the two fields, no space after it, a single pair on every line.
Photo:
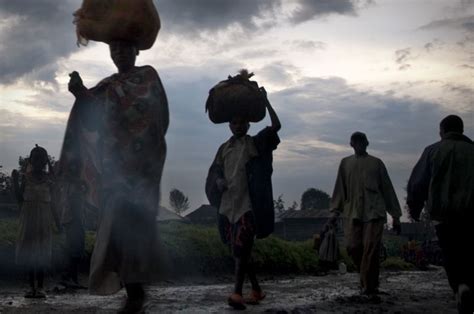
[467,66]
[402,56]
[465,23]
[466,42]
[309,9]
[35,34]
[462,93]
[330,110]
[193,17]
[435,44]
[309,44]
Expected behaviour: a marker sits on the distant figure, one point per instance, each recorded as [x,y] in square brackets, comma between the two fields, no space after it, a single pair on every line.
[35,236]
[364,194]
[442,182]
[117,130]
[73,222]
[239,185]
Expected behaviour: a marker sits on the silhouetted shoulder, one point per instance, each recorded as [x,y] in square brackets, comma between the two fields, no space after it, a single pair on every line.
[347,159]
[375,159]
[431,149]
[148,69]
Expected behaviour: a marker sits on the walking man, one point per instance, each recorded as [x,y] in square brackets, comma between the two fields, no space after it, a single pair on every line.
[364,194]
[442,182]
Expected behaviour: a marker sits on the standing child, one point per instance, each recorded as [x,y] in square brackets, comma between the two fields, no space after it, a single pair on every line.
[239,185]
[34,244]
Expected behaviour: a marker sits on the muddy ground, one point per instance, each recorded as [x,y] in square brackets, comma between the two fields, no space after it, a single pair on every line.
[402,292]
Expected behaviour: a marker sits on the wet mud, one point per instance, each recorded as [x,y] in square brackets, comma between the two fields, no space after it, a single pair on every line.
[401,292]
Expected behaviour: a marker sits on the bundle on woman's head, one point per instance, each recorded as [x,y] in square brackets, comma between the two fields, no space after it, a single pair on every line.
[243,74]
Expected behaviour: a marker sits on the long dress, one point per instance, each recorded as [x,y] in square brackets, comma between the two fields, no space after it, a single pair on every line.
[116,133]
[34,243]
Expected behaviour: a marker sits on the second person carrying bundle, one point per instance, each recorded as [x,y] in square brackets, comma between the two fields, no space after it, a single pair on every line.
[236,96]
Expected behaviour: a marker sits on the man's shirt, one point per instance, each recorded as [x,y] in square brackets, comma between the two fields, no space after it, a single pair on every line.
[363,190]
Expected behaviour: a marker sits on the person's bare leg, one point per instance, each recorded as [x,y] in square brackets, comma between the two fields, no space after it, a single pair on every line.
[236,300]
[253,276]
[256,294]
[240,270]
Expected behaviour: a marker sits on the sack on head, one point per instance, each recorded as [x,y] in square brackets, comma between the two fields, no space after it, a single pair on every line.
[236,96]
[108,20]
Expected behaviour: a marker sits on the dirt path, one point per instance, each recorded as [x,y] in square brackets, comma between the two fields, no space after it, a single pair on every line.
[408,292]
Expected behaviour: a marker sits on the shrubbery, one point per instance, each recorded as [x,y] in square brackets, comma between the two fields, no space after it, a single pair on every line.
[196,250]
[396,263]
[192,250]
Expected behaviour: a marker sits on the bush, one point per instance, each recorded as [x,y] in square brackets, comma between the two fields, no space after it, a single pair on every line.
[8,232]
[198,250]
[393,245]
[189,249]
[275,255]
[396,263]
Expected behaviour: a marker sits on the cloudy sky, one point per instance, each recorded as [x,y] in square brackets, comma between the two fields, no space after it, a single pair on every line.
[390,68]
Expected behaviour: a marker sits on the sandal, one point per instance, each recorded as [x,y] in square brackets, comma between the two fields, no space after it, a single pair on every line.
[236,301]
[255,297]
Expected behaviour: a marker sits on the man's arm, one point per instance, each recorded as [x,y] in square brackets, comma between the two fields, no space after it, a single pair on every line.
[390,198]
[276,124]
[267,140]
[338,196]
[339,193]
[418,184]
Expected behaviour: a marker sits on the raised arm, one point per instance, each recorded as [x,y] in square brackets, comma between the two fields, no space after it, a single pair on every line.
[85,105]
[276,125]
[76,86]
